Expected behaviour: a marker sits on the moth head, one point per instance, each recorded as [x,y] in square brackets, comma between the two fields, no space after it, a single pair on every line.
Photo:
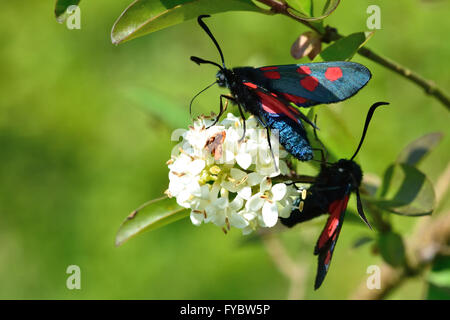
[349,172]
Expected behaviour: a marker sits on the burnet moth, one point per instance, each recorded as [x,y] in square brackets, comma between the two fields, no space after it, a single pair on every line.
[330,194]
[272,93]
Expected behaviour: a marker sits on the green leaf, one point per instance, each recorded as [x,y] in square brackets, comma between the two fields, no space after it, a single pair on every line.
[159,106]
[392,248]
[146,16]
[61,7]
[418,149]
[440,272]
[406,191]
[361,241]
[345,48]
[311,114]
[302,6]
[150,216]
[370,184]
[439,279]
[438,293]
[307,9]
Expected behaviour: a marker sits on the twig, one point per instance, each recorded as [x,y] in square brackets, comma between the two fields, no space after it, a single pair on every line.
[294,272]
[442,184]
[331,34]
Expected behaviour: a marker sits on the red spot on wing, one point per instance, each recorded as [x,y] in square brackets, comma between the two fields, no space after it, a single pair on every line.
[309,83]
[250,85]
[272,75]
[268,68]
[294,99]
[275,106]
[330,252]
[304,70]
[336,209]
[333,73]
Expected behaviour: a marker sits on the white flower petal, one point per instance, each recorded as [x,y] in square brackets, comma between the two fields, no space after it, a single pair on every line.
[265,184]
[218,219]
[183,199]
[245,193]
[254,179]
[236,220]
[284,169]
[270,214]
[194,189]
[175,188]
[204,191]
[213,194]
[285,212]
[278,191]
[255,203]
[196,218]
[230,186]
[196,166]
[249,215]
[237,174]
[244,160]
[221,203]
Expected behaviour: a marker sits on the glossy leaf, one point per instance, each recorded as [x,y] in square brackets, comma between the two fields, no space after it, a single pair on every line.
[361,241]
[345,48]
[392,248]
[406,191]
[440,273]
[61,7]
[146,16]
[328,9]
[150,216]
[439,279]
[371,183]
[302,6]
[437,292]
[418,149]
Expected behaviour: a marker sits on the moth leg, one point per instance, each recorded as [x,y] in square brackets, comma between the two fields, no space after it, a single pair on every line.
[323,151]
[270,147]
[222,108]
[322,155]
[305,118]
[261,122]
[243,121]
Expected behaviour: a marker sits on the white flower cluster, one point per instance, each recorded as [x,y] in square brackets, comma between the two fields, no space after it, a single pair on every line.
[225,178]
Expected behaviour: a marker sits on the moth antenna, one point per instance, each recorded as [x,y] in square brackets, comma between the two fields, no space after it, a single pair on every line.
[366,125]
[192,100]
[200,61]
[208,32]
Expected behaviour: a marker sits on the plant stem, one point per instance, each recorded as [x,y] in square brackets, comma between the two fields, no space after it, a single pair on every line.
[331,34]
[295,272]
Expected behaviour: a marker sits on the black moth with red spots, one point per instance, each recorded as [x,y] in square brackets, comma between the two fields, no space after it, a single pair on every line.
[330,194]
[273,93]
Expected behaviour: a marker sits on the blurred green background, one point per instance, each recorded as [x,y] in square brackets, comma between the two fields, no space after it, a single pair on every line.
[78,154]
